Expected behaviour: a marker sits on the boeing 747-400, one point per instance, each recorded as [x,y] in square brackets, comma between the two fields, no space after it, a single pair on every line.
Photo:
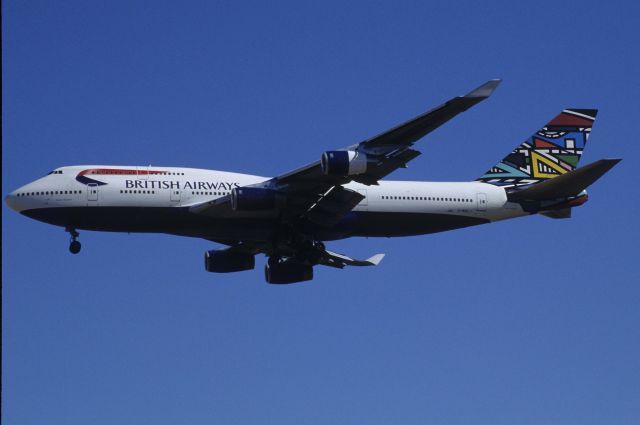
[290,217]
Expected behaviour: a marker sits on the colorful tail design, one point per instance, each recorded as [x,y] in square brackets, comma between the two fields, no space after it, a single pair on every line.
[553,150]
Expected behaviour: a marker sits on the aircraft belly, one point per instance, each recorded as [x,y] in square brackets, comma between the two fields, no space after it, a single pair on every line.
[173,220]
[389,224]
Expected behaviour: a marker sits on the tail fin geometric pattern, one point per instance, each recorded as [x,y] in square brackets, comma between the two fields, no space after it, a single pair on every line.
[553,150]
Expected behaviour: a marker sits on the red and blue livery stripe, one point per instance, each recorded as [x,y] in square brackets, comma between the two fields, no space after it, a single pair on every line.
[82,175]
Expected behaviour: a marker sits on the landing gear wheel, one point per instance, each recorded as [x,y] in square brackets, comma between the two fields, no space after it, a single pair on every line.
[74,247]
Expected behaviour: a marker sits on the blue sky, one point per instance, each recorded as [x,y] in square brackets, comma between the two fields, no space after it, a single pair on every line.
[530,321]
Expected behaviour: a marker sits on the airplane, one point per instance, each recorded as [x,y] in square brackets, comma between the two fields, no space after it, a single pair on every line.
[289,217]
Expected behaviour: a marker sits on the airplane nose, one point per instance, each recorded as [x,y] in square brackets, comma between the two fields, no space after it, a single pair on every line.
[11,201]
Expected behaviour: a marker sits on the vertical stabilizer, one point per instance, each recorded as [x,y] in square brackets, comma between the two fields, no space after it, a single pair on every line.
[553,150]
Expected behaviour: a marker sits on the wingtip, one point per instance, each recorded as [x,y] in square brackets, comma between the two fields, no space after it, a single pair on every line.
[486,89]
[375,260]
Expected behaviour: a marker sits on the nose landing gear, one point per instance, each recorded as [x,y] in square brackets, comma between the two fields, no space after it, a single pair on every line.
[74,246]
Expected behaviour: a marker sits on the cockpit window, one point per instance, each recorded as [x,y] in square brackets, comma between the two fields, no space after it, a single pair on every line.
[54,172]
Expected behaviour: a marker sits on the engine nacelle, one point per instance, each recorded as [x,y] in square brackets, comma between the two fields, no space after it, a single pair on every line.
[227,262]
[255,199]
[343,163]
[287,272]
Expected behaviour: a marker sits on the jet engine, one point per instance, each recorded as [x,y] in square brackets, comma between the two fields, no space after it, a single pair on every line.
[255,199]
[226,262]
[287,272]
[343,163]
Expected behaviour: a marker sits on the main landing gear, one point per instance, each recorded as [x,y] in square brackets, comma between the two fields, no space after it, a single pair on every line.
[74,246]
[296,266]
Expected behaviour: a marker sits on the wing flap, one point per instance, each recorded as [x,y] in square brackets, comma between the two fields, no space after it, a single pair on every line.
[330,209]
[213,207]
[387,166]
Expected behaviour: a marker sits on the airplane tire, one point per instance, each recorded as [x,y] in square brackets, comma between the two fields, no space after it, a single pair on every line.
[74,247]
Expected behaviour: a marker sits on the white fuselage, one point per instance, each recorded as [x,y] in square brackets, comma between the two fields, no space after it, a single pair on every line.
[68,196]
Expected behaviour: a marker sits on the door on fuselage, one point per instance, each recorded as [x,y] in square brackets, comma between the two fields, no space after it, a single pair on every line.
[175,195]
[482,202]
[92,194]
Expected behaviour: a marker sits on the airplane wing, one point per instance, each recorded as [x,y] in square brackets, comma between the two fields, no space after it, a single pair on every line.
[392,149]
[325,257]
[315,191]
[333,259]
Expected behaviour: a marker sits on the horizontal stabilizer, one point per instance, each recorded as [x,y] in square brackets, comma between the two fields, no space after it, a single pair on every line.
[566,185]
[563,213]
